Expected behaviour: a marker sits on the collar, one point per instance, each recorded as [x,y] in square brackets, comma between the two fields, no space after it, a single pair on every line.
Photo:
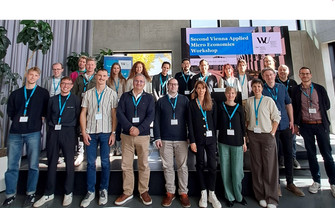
[170,96]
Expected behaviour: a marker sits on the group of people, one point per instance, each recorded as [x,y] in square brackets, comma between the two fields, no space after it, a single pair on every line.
[113,111]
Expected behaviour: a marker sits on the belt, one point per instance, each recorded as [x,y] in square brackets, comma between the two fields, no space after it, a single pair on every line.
[312,122]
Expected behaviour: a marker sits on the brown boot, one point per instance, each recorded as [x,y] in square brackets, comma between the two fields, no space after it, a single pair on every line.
[146,199]
[167,200]
[185,202]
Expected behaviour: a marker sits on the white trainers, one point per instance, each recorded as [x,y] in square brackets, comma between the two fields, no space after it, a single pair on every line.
[103,197]
[203,199]
[332,189]
[67,199]
[87,200]
[79,160]
[314,188]
[212,199]
[271,206]
[43,200]
[263,203]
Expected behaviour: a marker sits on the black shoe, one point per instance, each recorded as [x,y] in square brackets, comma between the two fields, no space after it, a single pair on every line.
[229,203]
[243,202]
[30,200]
[8,201]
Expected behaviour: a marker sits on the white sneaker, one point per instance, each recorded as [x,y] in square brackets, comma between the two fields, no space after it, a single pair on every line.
[271,206]
[79,160]
[314,188]
[203,199]
[67,199]
[332,189]
[103,198]
[87,200]
[43,200]
[212,199]
[263,203]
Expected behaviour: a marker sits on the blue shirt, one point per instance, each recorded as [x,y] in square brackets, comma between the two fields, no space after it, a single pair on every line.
[281,99]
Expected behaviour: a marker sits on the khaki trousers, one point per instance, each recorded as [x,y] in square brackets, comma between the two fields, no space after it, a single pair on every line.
[129,144]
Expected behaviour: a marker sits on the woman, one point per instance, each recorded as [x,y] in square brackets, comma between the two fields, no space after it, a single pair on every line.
[268,62]
[117,82]
[228,79]
[202,112]
[138,67]
[231,126]
[262,119]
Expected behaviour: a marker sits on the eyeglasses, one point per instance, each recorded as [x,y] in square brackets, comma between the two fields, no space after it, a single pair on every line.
[304,74]
[64,83]
[56,69]
[139,81]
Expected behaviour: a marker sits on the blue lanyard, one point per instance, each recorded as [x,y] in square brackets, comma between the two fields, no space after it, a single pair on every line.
[173,106]
[27,99]
[186,80]
[202,77]
[117,86]
[230,116]
[243,81]
[204,114]
[54,84]
[61,108]
[288,82]
[256,109]
[81,72]
[136,104]
[86,82]
[274,96]
[99,97]
[308,96]
[162,84]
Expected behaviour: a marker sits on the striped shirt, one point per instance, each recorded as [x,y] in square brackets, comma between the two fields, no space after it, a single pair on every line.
[108,101]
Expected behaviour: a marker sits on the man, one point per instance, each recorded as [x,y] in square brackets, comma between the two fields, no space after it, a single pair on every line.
[26,107]
[171,139]
[83,83]
[285,129]
[184,78]
[282,77]
[245,80]
[310,103]
[52,83]
[159,81]
[135,114]
[205,76]
[62,118]
[98,125]
[81,68]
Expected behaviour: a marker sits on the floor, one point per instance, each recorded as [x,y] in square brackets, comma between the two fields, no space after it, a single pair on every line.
[323,199]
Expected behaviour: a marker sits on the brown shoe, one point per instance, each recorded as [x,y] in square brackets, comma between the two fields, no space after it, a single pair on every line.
[167,200]
[185,202]
[292,188]
[146,199]
[123,199]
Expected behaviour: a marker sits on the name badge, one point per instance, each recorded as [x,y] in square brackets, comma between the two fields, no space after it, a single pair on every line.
[230,132]
[23,119]
[187,92]
[136,119]
[311,110]
[174,122]
[257,130]
[58,127]
[209,133]
[98,116]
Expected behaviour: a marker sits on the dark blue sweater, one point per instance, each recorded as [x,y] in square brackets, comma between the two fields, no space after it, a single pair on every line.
[163,115]
[145,112]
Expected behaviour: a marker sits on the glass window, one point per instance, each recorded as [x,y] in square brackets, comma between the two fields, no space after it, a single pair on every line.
[292,24]
[204,23]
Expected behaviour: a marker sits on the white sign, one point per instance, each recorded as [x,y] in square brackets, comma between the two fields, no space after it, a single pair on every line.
[267,43]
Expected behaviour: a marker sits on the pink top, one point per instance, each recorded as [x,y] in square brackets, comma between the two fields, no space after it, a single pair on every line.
[75,74]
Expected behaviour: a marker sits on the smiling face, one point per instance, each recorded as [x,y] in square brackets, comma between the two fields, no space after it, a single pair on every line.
[269,62]
[283,72]
[200,90]
[269,76]
[186,66]
[305,75]
[82,64]
[165,69]
[228,71]
[230,93]
[173,86]
[242,67]
[32,77]
[116,70]
[101,77]
[139,83]
[139,68]
[57,70]
[257,89]
[204,67]
[66,86]
[90,66]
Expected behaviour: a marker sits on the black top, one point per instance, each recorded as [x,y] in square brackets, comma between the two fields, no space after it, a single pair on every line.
[70,115]
[163,115]
[182,82]
[197,127]
[211,81]
[237,123]
[37,108]
[324,104]
[291,83]
[157,89]
[145,112]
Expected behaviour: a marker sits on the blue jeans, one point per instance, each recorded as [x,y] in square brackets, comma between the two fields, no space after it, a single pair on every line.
[309,132]
[91,152]
[14,152]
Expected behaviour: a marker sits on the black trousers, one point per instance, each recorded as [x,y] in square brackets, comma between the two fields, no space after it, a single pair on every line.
[64,139]
[285,137]
[210,150]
